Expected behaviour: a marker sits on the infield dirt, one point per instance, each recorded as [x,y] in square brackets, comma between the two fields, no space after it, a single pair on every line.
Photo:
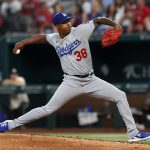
[13,141]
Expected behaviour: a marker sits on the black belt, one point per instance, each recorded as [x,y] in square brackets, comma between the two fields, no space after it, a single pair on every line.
[81,76]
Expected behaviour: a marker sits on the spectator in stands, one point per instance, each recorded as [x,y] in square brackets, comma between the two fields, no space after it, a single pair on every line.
[15,21]
[4,7]
[106,3]
[118,3]
[43,19]
[110,11]
[29,8]
[127,18]
[78,15]
[96,10]
[86,6]
[57,7]
[51,3]
[140,13]
[18,101]
[119,10]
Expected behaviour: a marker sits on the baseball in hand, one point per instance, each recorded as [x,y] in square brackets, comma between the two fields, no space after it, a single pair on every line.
[18,51]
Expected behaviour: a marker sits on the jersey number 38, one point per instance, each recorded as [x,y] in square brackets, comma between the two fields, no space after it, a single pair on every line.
[82,54]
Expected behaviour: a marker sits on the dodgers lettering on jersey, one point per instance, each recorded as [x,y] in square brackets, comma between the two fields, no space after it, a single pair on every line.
[73,50]
[61,51]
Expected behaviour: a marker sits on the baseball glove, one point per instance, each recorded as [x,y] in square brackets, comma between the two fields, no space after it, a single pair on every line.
[111,37]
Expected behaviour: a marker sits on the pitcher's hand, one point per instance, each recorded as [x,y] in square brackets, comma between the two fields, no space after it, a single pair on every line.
[18,46]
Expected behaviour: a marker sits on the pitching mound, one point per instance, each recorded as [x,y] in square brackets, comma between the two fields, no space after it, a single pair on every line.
[34,142]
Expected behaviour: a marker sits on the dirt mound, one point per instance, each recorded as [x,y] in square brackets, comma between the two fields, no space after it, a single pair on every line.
[11,141]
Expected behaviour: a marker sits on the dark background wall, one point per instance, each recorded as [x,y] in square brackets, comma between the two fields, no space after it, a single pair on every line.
[123,62]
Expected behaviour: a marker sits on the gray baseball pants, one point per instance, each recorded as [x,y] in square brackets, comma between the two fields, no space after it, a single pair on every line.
[74,86]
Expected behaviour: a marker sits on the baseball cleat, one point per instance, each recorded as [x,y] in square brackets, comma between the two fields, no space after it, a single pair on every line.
[3,127]
[140,136]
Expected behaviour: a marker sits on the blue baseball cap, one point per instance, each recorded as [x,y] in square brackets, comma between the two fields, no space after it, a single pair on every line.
[59,18]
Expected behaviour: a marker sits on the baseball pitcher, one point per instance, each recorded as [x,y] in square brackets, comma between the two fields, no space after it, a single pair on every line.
[72,47]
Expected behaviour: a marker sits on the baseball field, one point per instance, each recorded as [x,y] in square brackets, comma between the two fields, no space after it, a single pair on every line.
[56,140]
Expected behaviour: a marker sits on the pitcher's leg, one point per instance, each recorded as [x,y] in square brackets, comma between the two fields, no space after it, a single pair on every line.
[103,89]
[63,94]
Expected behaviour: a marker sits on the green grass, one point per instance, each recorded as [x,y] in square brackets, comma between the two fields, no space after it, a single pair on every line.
[114,137]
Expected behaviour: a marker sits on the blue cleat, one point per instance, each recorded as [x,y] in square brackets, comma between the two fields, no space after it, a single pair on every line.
[140,136]
[3,127]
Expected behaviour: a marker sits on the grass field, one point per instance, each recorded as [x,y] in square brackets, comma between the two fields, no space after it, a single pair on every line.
[115,137]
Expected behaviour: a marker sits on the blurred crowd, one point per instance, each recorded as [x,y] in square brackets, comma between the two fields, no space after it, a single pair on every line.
[34,16]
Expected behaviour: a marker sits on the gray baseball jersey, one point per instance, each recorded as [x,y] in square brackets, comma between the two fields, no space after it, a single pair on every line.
[73,50]
[75,58]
